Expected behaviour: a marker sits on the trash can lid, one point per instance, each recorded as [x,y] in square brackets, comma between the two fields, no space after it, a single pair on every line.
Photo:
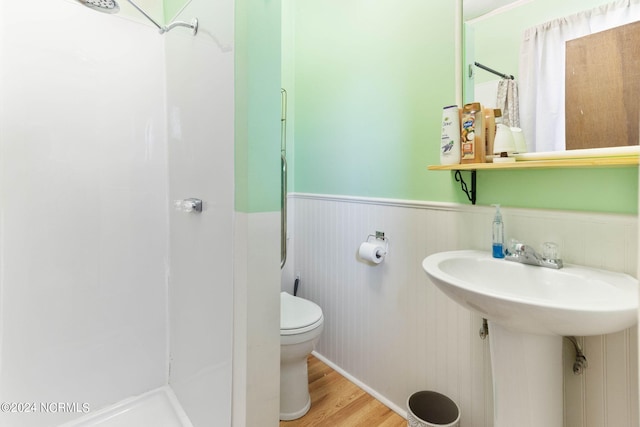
[433,407]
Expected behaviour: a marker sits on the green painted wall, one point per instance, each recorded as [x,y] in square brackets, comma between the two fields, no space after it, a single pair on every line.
[613,190]
[370,82]
[257,95]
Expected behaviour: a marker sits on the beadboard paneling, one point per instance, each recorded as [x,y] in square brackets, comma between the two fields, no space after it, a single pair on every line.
[390,328]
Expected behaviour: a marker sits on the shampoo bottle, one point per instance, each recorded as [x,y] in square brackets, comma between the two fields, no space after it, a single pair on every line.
[450,139]
[498,234]
[472,134]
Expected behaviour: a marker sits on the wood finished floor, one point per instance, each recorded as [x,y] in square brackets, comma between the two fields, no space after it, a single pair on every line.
[337,402]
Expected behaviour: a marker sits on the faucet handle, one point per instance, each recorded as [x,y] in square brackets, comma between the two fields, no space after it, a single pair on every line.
[550,250]
[514,246]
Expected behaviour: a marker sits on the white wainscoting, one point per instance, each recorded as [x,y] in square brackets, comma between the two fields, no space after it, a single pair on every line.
[391,329]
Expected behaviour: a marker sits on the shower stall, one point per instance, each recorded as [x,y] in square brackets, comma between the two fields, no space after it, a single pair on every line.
[116,309]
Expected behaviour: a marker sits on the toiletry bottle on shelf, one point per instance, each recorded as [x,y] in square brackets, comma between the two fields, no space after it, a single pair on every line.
[450,139]
[489,132]
[471,135]
[498,234]
[497,113]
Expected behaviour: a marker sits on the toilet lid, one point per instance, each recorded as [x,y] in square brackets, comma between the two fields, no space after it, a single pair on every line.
[297,313]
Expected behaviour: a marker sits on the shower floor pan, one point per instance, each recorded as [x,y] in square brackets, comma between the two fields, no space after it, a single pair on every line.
[157,408]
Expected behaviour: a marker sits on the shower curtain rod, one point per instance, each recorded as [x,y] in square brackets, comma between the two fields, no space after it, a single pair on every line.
[497,73]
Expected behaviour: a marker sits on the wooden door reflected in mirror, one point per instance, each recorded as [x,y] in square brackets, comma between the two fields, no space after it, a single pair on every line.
[602,88]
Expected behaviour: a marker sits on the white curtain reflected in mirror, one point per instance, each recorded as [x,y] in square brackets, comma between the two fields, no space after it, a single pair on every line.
[542,69]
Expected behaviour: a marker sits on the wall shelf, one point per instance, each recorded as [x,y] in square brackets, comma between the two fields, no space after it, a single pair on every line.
[546,164]
[584,162]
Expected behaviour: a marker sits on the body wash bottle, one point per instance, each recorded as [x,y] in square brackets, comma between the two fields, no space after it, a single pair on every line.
[498,234]
[450,140]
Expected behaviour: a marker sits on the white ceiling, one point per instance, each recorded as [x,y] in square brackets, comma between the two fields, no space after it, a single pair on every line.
[474,8]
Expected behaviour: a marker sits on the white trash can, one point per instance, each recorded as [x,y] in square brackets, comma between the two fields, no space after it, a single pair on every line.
[432,409]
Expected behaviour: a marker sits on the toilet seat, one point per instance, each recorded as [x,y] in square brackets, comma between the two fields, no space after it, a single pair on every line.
[301,323]
[298,315]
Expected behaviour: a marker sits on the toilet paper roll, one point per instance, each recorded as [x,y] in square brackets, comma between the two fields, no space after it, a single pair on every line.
[372,252]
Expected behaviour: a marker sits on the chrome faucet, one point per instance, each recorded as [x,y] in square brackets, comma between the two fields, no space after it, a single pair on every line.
[519,252]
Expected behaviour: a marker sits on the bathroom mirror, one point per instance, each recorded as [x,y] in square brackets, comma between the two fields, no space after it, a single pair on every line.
[493,32]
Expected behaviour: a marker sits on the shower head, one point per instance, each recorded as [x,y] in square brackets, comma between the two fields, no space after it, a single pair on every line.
[111,6]
[106,6]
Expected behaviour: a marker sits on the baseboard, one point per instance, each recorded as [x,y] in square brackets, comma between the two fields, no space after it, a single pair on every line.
[382,399]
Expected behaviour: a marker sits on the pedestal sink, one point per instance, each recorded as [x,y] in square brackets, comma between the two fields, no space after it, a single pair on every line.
[529,309]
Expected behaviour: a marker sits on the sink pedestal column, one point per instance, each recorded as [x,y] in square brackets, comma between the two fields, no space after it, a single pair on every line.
[527,378]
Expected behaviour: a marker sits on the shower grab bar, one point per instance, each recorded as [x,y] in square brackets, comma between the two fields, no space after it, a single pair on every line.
[283,177]
[283,212]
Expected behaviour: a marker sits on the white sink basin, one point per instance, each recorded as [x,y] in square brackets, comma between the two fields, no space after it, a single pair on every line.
[574,300]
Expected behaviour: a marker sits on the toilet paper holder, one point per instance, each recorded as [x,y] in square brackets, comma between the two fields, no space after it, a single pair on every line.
[374,249]
[379,236]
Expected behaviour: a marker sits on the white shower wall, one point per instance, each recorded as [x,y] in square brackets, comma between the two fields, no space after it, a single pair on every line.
[83,209]
[391,329]
[200,108]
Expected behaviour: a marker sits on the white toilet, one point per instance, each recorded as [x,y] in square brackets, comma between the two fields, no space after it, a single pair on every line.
[300,328]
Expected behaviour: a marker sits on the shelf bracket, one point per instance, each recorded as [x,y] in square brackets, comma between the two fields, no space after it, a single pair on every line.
[470,194]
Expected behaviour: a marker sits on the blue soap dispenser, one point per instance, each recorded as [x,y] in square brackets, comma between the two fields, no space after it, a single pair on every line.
[498,234]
